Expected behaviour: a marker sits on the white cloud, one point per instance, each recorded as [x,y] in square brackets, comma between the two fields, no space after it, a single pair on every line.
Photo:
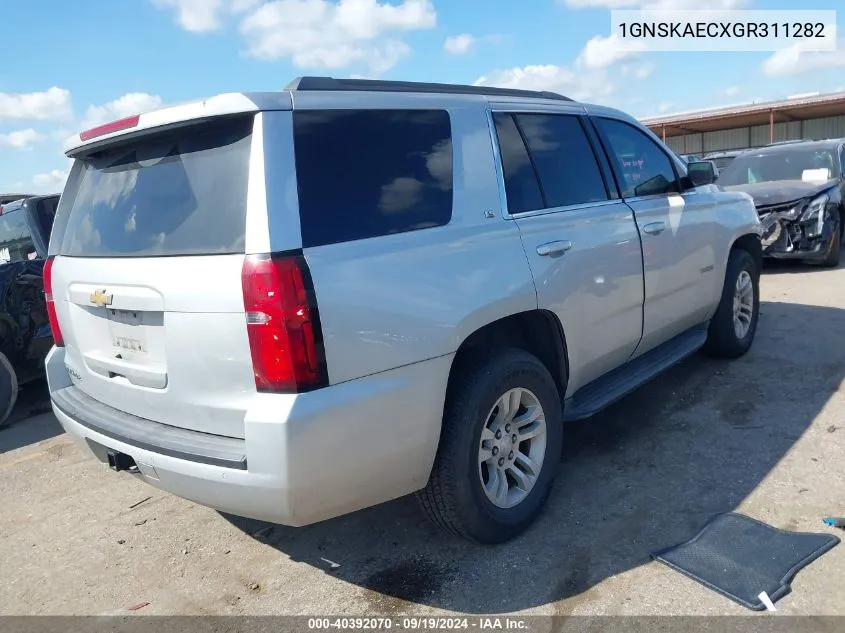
[796,61]
[643,70]
[664,106]
[319,34]
[576,85]
[127,105]
[52,104]
[731,91]
[603,51]
[327,35]
[458,44]
[199,16]
[51,181]
[666,5]
[20,139]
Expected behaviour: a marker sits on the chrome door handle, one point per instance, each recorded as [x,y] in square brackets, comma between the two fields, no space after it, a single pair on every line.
[554,248]
[655,228]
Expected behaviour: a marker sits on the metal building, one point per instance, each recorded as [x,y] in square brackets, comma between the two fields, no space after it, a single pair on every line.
[813,116]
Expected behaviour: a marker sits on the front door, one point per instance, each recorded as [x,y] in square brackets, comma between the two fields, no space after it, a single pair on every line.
[676,228]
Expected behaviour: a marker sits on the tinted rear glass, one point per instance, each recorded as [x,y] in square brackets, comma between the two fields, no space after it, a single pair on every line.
[15,239]
[180,193]
[367,173]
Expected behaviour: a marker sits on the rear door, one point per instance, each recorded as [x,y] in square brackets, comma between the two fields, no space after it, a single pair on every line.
[580,238]
[149,243]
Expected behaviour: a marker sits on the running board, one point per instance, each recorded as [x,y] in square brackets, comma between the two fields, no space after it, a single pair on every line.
[604,391]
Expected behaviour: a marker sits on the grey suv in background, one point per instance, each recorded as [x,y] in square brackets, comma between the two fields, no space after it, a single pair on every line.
[294,305]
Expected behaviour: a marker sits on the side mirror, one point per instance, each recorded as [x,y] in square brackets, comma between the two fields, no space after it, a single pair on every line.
[701,173]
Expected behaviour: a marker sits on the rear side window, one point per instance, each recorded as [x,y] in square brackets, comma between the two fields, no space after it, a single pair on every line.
[177,193]
[15,239]
[547,162]
[368,173]
[565,163]
[521,185]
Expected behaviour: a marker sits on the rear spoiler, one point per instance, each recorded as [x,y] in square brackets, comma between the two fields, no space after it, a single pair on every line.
[175,116]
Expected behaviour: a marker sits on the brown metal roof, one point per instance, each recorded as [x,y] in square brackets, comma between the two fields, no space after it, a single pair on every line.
[795,109]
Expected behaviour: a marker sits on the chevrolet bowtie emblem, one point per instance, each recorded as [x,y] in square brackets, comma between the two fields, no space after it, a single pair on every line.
[100,299]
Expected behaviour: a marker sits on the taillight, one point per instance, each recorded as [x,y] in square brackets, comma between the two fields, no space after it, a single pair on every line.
[283,324]
[58,339]
[108,128]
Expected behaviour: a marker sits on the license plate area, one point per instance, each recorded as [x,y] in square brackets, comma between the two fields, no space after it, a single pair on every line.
[127,332]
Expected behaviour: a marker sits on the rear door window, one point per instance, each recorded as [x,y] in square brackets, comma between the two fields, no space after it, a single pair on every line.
[175,193]
[521,184]
[369,173]
[566,165]
[547,161]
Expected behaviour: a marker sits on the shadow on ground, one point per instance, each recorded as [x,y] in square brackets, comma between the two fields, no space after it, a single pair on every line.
[791,267]
[643,475]
[27,424]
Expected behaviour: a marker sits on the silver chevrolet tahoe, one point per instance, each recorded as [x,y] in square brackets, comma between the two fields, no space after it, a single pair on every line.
[293,305]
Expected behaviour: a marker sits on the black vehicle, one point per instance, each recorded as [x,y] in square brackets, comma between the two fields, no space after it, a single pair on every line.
[6,198]
[798,189]
[25,335]
[722,159]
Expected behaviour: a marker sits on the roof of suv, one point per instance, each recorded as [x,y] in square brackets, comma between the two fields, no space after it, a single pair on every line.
[246,102]
[778,147]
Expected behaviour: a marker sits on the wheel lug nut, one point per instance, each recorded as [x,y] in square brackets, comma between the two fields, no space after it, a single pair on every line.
[510,455]
[513,438]
[507,428]
[498,435]
[501,461]
[495,450]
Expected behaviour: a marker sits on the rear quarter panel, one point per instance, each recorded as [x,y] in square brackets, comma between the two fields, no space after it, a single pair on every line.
[391,301]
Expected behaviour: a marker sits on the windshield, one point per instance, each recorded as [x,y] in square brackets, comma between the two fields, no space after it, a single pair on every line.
[789,163]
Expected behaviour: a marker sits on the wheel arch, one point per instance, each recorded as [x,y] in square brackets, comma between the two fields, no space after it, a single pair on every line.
[538,332]
[752,244]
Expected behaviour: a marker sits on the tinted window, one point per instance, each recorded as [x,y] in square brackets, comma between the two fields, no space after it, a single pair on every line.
[46,213]
[15,240]
[366,173]
[644,168]
[521,186]
[181,193]
[564,160]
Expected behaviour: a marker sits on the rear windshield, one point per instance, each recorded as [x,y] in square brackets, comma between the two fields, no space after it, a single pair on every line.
[178,193]
[16,243]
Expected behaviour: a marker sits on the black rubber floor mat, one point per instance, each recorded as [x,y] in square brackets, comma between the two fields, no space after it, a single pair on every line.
[740,557]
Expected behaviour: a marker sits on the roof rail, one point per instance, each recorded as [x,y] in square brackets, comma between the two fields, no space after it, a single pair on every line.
[376,85]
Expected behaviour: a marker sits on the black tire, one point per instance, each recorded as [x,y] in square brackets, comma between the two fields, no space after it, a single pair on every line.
[8,389]
[722,340]
[832,259]
[454,498]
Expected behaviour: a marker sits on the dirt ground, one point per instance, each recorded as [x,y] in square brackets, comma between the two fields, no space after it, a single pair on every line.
[764,435]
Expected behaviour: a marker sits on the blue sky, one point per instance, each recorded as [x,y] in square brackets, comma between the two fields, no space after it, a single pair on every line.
[84,62]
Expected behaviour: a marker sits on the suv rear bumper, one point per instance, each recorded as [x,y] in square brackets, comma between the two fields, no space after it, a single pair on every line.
[304,458]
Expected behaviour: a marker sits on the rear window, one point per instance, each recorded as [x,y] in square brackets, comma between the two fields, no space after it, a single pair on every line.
[368,173]
[15,238]
[177,193]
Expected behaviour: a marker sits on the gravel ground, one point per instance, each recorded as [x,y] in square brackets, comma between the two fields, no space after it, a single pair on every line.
[764,435]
